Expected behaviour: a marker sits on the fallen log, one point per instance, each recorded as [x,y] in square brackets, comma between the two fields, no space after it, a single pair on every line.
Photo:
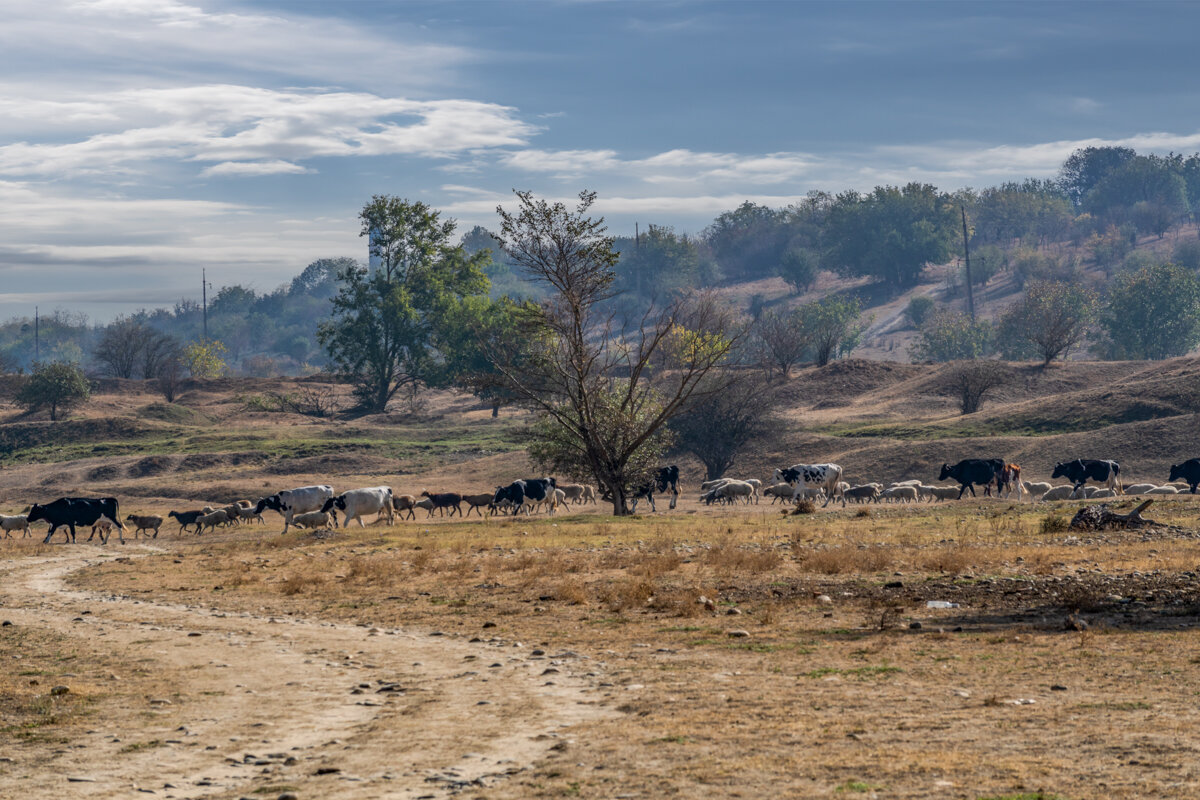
[1094,518]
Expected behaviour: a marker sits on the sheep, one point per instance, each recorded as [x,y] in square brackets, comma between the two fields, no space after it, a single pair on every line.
[248,513]
[1163,490]
[475,502]
[426,504]
[860,494]
[444,500]
[941,493]
[1180,485]
[1140,488]
[1102,493]
[913,482]
[18,522]
[104,528]
[729,491]
[1036,490]
[186,519]
[589,494]
[780,491]
[900,494]
[313,520]
[571,491]
[708,486]
[145,523]
[406,502]
[925,492]
[1059,493]
[560,499]
[244,503]
[212,520]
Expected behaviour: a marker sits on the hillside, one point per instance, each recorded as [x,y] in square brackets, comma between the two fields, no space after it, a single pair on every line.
[879,420]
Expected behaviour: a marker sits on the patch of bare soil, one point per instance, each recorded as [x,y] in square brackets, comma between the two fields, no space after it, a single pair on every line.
[247,703]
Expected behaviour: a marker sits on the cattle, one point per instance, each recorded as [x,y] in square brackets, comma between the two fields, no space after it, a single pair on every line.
[644,492]
[186,519]
[818,476]
[72,511]
[1008,477]
[290,502]
[970,472]
[356,502]
[444,500]
[512,495]
[1081,470]
[1188,472]
[145,523]
[667,479]
[8,524]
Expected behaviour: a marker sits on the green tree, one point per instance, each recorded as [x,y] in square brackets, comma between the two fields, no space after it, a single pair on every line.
[891,233]
[1048,321]
[1146,191]
[1153,313]
[205,359]
[748,242]
[603,398]
[831,327]
[951,336]
[382,333]
[661,263]
[1021,211]
[58,386]
[799,267]
[919,308]
[1087,166]
[472,329]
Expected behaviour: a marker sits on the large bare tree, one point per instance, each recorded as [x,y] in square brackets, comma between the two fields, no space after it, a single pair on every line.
[604,391]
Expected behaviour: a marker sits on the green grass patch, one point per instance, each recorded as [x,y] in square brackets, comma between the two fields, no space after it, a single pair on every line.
[857,786]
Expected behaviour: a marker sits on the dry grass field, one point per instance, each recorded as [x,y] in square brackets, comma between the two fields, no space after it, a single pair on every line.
[700,652]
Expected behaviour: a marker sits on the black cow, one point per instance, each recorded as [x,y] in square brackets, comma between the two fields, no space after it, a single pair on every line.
[1081,470]
[667,478]
[1188,471]
[72,511]
[513,494]
[970,472]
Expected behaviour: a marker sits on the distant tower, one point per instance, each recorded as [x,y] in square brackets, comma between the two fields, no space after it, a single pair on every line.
[374,262]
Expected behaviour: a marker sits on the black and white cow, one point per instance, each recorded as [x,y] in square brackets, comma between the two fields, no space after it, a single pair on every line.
[971,472]
[1082,470]
[81,511]
[812,476]
[667,479]
[1188,472]
[511,495]
[290,502]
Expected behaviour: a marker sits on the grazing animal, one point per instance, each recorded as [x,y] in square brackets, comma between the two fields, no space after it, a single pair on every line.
[76,511]
[1059,493]
[589,495]
[405,502]
[291,502]
[426,504]
[667,479]
[731,491]
[900,494]
[247,513]
[1163,490]
[314,520]
[145,523]
[1100,494]
[187,518]
[1008,478]
[1140,488]
[105,529]
[941,493]
[505,496]
[1035,490]
[477,501]
[356,502]
[819,476]
[643,492]
[444,500]
[572,492]
[778,492]
[212,520]
[861,494]
[970,472]
[18,522]
[1081,470]
[1188,472]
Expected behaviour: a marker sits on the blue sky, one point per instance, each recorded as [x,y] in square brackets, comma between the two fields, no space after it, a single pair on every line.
[143,140]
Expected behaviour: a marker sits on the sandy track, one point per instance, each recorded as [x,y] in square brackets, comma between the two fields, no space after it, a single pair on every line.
[268,702]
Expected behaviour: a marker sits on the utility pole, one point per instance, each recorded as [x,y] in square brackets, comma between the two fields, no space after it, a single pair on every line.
[967,262]
[204,296]
[37,338]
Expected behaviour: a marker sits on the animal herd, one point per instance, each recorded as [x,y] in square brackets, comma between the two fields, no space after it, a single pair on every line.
[318,507]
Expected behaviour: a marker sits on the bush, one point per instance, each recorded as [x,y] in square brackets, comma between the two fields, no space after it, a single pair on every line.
[58,386]
[1187,254]
[951,336]
[1054,523]
[1048,321]
[919,309]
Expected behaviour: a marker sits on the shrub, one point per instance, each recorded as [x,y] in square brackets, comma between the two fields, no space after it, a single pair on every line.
[950,336]
[919,309]
[58,386]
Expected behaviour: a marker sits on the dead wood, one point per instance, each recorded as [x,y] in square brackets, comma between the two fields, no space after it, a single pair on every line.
[1094,518]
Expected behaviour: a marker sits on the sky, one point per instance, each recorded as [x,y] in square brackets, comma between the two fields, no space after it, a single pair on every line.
[142,141]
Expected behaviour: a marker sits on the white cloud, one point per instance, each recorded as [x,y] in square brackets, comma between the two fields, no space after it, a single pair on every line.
[254,168]
[679,166]
[223,123]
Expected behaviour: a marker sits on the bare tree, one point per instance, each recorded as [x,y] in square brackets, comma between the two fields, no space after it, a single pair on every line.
[602,399]
[783,340]
[972,380]
[718,426]
[157,349]
[120,346]
[170,377]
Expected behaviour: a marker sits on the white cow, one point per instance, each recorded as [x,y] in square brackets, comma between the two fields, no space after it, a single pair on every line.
[356,502]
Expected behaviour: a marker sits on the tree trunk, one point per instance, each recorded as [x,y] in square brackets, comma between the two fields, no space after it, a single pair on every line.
[495,410]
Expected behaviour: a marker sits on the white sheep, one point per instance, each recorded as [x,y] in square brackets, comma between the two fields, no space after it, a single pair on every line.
[900,494]
[731,491]
[860,494]
[212,520]
[313,520]
[945,492]
[1100,494]
[18,522]
[1163,490]
[1140,488]
[1059,493]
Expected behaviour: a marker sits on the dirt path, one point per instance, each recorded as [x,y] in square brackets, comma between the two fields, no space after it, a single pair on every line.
[254,705]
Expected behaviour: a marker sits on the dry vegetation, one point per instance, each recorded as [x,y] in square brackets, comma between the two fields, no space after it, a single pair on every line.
[729,652]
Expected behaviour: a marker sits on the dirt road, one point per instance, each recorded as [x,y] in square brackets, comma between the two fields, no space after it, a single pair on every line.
[249,705]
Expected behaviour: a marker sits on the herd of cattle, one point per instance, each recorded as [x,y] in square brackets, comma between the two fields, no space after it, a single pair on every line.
[317,507]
